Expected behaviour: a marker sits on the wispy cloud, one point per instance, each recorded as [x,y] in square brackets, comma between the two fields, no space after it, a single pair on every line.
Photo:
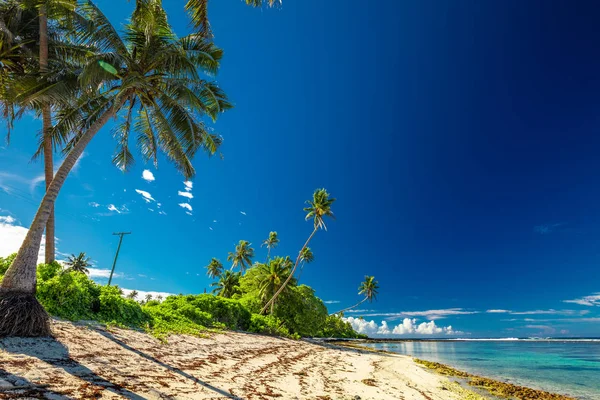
[429,314]
[102,273]
[545,229]
[189,185]
[497,311]
[186,206]
[331,301]
[550,312]
[148,176]
[94,204]
[591,300]
[242,212]
[189,195]
[145,195]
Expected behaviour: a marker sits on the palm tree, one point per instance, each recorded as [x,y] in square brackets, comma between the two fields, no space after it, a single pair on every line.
[148,78]
[271,242]
[306,257]
[318,209]
[148,297]
[159,298]
[368,288]
[214,268]
[242,257]
[133,295]
[272,275]
[227,285]
[78,263]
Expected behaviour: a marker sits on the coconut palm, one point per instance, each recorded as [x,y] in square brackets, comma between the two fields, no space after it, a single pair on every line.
[319,208]
[227,285]
[159,298]
[148,298]
[242,257]
[271,276]
[367,288]
[150,80]
[214,268]
[133,295]
[306,257]
[78,263]
[271,242]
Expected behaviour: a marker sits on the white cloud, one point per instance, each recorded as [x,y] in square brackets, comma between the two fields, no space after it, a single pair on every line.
[111,207]
[189,185]
[189,195]
[497,311]
[143,293]
[147,196]
[429,314]
[102,273]
[331,301]
[94,204]
[358,311]
[148,176]
[242,212]
[591,300]
[550,312]
[407,327]
[36,181]
[162,213]
[12,235]
[186,206]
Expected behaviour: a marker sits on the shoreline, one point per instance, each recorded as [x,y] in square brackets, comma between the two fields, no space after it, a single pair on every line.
[493,387]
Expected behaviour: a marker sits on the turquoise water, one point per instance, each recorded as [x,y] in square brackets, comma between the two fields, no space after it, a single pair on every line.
[570,367]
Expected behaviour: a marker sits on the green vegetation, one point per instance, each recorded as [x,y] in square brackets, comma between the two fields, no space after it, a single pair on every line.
[71,295]
[78,263]
[496,388]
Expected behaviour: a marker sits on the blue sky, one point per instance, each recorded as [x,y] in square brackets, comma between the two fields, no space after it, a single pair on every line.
[460,139]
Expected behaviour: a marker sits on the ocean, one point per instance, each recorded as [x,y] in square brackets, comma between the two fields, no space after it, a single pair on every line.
[566,366]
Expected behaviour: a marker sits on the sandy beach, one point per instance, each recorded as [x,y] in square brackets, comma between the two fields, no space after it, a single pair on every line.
[89,361]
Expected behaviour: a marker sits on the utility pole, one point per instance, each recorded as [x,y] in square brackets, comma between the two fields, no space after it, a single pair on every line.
[121,234]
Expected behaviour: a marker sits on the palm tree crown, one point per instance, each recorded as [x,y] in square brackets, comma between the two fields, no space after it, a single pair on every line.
[242,257]
[307,256]
[271,242]
[319,207]
[78,263]
[369,288]
[227,285]
[214,268]
[133,295]
[272,274]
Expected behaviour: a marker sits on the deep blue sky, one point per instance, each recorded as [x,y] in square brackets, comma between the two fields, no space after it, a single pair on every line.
[459,137]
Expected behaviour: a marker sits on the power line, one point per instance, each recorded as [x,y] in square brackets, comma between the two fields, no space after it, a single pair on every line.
[120,234]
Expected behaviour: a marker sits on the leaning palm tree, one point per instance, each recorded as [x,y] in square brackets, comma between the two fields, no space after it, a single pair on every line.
[318,208]
[271,242]
[367,288]
[133,295]
[150,80]
[242,257]
[306,257]
[227,285]
[271,276]
[78,263]
[214,268]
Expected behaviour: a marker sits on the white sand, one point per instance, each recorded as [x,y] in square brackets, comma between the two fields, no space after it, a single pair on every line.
[91,362]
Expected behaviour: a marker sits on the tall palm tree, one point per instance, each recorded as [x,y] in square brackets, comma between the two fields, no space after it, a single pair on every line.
[271,242]
[306,257]
[133,295]
[214,268]
[148,297]
[271,276]
[78,263]
[242,257]
[367,288]
[227,285]
[149,79]
[318,208]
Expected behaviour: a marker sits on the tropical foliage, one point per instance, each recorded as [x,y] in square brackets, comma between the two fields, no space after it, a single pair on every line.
[214,268]
[368,288]
[227,285]
[242,256]
[271,242]
[78,263]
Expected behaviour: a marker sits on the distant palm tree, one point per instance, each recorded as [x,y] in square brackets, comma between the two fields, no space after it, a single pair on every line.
[133,295]
[159,298]
[270,243]
[78,263]
[242,257]
[272,275]
[227,285]
[368,288]
[306,257]
[318,209]
[214,268]
[148,297]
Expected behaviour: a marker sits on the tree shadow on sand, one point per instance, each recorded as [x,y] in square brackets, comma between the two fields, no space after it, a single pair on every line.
[24,388]
[56,354]
[171,368]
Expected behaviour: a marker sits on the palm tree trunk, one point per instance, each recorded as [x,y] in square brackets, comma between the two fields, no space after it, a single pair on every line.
[349,308]
[47,139]
[291,275]
[21,276]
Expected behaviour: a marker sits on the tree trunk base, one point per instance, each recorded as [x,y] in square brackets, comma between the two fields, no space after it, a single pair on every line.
[21,314]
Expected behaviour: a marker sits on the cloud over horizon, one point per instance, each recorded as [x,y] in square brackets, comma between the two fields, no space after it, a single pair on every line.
[407,327]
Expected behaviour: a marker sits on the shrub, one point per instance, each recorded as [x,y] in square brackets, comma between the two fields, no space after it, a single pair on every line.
[268,325]
[117,309]
[226,311]
[335,327]
[165,321]
[5,263]
[67,295]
